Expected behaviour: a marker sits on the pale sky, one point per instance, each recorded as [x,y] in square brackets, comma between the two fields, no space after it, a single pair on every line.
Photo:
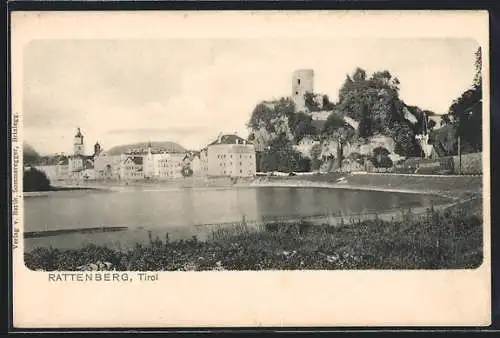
[188,91]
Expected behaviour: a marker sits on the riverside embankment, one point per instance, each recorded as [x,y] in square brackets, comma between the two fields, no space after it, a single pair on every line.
[450,186]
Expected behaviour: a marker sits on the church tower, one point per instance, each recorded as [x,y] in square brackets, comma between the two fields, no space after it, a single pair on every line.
[78,145]
[302,83]
[97,148]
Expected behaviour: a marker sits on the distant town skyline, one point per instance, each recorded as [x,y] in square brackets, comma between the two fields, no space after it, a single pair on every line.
[189,91]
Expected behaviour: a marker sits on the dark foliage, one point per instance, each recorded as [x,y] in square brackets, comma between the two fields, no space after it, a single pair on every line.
[30,155]
[35,180]
[380,158]
[301,125]
[280,156]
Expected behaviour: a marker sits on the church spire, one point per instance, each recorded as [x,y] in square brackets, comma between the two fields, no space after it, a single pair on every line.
[97,148]
[78,133]
[150,146]
[78,144]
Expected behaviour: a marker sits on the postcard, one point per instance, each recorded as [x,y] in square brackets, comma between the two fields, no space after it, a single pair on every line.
[250,169]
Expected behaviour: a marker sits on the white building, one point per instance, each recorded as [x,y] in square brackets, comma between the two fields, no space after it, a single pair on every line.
[163,164]
[196,165]
[131,168]
[107,166]
[168,165]
[204,162]
[232,156]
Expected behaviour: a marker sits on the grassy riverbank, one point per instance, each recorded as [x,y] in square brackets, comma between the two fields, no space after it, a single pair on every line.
[437,239]
[455,186]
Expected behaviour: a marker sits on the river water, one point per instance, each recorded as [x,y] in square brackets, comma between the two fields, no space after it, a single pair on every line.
[185,211]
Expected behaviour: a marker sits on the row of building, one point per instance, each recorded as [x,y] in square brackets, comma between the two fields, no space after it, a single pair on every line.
[229,155]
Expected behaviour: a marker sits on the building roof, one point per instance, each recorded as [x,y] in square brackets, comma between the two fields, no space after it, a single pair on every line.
[193,152]
[84,157]
[143,147]
[136,159]
[229,139]
[63,161]
[89,164]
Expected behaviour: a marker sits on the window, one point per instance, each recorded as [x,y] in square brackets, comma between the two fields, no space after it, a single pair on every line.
[240,163]
[298,81]
[296,93]
[241,171]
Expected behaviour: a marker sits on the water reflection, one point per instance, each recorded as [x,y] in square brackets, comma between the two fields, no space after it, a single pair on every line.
[183,208]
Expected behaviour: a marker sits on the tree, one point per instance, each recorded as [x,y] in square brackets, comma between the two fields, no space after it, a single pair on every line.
[373,101]
[404,139]
[280,156]
[365,123]
[261,116]
[284,107]
[467,110]
[359,75]
[444,140]
[310,102]
[35,180]
[327,104]
[445,119]
[431,125]
[265,114]
[478,78]
[301,125]
[380,158]
[187,171]
[315,156]
[337,129]
[30,155]
[303,163]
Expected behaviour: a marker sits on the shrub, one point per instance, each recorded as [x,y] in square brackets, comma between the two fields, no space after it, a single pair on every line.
[380,158]
[35,180]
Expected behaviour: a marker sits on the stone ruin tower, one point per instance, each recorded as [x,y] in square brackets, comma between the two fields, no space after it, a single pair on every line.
[302,83]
